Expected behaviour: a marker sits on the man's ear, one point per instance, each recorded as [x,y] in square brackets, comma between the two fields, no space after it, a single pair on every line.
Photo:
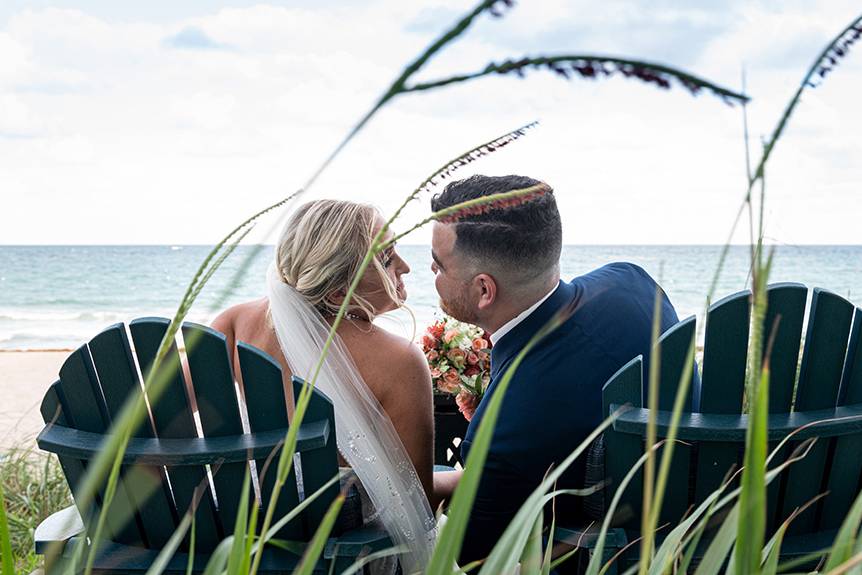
[487,287]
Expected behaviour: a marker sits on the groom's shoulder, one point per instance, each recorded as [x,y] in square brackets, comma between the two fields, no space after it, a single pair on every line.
[615,273]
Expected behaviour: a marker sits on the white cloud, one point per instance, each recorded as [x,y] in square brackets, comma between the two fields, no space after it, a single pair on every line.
[189,142]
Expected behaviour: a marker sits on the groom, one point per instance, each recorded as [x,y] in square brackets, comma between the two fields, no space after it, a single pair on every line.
[500,270]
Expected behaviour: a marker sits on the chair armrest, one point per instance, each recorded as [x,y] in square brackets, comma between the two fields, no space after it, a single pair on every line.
[68,442]
[368,538]
[844,420]
[586,538]
[58,527]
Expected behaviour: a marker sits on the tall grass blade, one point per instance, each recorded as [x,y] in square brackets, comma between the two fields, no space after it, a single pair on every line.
[752,499]
[158,566]
[504,555]
[531,557]
[594,566]
[716,554]
[219,558]
[846,541]
[672,544]
[249,537]
[318,542]
[549,548]
[593,66]
[360,563]
[110,491]
[237,551]
[8,561]
[190,566]
[647,523]
[773,551]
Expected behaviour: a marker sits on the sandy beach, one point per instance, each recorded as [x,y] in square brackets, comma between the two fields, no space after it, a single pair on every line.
[24,377]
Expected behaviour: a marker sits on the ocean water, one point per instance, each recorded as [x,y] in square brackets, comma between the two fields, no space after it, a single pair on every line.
[61,296]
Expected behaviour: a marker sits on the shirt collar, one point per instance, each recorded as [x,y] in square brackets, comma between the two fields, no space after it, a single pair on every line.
[509,325]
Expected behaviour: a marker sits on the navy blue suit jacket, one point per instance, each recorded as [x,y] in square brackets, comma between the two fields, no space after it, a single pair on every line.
[554,400]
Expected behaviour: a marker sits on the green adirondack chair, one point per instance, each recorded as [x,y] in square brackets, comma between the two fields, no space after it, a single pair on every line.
[165,465]
[828,386]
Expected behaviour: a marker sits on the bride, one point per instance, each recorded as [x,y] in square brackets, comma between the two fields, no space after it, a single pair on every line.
[379,383]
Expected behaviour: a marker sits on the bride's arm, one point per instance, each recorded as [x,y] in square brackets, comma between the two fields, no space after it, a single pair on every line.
[409,404]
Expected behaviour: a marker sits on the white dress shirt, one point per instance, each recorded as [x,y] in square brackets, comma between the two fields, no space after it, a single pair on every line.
[510,325]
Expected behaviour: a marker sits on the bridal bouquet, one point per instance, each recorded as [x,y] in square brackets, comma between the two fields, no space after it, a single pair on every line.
[460,362]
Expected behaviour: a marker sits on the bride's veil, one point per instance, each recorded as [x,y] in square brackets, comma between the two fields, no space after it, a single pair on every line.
[365,435]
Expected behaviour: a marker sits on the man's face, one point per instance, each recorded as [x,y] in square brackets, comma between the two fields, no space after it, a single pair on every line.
[452,278]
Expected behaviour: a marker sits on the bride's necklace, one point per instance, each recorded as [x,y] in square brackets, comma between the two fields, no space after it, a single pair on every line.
[347,315]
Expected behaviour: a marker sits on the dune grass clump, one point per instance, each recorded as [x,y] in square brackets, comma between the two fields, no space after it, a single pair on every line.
[33,488]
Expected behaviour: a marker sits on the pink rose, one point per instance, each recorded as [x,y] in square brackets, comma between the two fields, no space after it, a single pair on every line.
[467,404]
[432,355]
[479,344]
[449,382]
[472,358]
[472,370]
[435,373]
[450,335]
[457,357]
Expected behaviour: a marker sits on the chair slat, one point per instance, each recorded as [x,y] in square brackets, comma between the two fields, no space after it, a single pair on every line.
[825,360]
[722,384]
[147,484]
[83,402]
[267,410]
[172,415]
[825,351]
[851,377]
[319,465]
[215,393]
[672,348]
[819,380]
[622,450]
[74,469]
[785,312]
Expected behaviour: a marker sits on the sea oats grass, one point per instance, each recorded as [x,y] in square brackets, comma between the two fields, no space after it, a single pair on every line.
[29,496]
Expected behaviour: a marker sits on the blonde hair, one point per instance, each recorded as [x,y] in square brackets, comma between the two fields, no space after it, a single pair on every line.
[321,249]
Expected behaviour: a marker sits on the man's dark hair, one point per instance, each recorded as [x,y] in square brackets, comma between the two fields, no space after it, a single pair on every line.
[526,238]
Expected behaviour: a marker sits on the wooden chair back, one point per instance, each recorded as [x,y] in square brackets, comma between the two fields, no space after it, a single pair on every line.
[825,383]
[168,461]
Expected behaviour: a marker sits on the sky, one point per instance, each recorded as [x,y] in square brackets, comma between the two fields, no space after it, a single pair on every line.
[166,122]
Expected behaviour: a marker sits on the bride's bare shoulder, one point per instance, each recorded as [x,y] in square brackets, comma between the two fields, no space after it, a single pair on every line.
[386,355]
[236,317]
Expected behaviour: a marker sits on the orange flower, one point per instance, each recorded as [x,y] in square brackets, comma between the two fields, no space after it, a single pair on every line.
[449,382]
[479,344]
[467,404]
[428,342]
[436,330]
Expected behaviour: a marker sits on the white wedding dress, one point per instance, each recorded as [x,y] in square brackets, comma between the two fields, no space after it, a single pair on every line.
[364,433]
